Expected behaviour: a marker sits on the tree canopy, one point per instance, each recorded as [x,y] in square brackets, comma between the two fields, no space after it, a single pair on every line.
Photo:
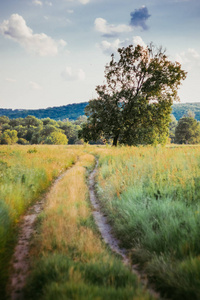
[31,130]
[187,131]
[134,105]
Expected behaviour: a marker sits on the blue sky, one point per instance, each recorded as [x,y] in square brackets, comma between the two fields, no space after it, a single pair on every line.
[53,52]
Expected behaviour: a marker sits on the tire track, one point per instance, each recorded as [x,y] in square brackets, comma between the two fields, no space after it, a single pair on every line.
[109,238]
[20,262]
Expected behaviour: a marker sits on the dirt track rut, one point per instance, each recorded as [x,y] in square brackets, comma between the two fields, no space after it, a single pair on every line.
[108,236]
[20,262]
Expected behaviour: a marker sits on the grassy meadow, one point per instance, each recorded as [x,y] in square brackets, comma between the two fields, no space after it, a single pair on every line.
[69,259]
[25,173]
[151,197]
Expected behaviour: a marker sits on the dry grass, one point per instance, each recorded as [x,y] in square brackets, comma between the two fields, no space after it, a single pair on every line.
[66,208]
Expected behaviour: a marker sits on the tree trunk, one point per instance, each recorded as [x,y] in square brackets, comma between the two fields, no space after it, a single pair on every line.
[115,140]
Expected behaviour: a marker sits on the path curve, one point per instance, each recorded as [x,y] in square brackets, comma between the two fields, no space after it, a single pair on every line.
[20,262]
[108,236]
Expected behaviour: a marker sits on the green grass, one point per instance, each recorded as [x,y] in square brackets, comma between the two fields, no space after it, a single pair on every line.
[69,259]
[58,277]
[152,199]
[25,174]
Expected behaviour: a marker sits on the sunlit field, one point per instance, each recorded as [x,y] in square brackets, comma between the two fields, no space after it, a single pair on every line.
[69,259]
[25,173]
[150,195]
[152,199]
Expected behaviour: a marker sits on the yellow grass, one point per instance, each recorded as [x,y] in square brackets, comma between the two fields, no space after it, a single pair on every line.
[66,207]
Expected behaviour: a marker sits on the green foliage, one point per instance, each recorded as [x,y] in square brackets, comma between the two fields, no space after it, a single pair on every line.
[58,277]
[4,120]
[22,141]
[190,114]
[56,138]
[9,137]
[71,130]
[134,105]
[31,121]
[172,126]
[76,110]
[187,131]
[71,111]
[31,130]
[181,109]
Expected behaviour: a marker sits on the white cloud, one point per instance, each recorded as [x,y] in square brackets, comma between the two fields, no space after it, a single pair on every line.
[189,58]
[16,29]
[112,47]
[102,26]
[137,40]
[11,79]
[37,3]
[34,86]
[62,43]
[70,11]
[71,75]
[109,48]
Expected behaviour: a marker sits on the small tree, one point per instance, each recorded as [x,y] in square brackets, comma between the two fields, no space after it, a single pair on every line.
[134,105]
[187,131]
[56,138]
[9,137]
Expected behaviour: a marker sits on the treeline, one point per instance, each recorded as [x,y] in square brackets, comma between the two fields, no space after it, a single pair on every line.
[70,111]
[74,111]
[31,130]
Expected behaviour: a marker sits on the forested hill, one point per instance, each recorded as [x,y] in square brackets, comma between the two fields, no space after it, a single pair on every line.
[73,111]
[181,109]
[70,111]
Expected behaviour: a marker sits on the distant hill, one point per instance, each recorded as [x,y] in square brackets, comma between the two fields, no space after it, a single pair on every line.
[70,111]
[73,111]
[181,109]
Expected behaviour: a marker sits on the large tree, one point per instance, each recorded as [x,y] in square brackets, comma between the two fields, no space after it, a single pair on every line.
[134,105]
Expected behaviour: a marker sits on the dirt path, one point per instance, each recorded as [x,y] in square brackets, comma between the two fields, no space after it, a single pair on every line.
[20,262]
[107,234]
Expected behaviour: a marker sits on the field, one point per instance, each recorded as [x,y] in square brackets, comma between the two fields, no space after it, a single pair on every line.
[150,196]
[152,199]
[25,173]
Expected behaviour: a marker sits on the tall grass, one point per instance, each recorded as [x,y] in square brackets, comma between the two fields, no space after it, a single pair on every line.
[25,173]
[152,198]
[69,259]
